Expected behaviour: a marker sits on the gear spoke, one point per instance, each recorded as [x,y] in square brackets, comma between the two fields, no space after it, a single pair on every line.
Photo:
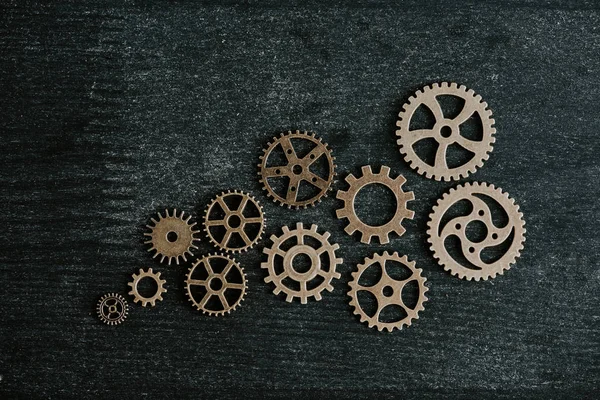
[253,220]
[440,156]
[243,204]
[416,135]
[468,110]
[226,238]
[196,282]
[245,237]
[433,105]
[272,172]
[223,205]
[223,300]
[234,285]
[215,222]
[471,145]
[313,156]
[316,180]
[288,149]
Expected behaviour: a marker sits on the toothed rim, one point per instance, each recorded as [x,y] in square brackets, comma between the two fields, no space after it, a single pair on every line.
[328,276]
[160,245]
[481,107]
[462,192]
[228,213]
[120,300]
[412,314]
[137,297]
[243,286]
[349,197]
[263,165]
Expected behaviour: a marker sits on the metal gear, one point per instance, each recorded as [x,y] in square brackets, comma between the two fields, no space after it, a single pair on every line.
[439,231]
[297,169]
[157,296]
[172,236]
[215,282]
[236,222]
[349,197]
[446,131]
[112,309]
[322,259]
[387,291]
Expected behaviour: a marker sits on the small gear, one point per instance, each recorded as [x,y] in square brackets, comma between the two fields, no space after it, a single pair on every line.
[234,230]
[171,237]
[471,265]
[301,284]
[216,284]
[296,170]
[112,309]
[159,287]
[446,131]
[349,197]
[387,291]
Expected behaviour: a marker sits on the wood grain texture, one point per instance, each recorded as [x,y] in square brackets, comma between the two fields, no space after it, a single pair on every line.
[112,111]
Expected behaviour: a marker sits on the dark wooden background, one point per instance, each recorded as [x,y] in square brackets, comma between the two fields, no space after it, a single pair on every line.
[111,111]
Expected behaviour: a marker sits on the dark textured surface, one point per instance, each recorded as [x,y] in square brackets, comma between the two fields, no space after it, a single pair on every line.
[111,112]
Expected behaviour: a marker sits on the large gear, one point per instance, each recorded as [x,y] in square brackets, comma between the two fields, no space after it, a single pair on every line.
[112,309]
[216,277]
[302,284]
[297,169]
[149,274]
[349,197]
[446,131]
[495,235]
[224,225]
[387,291]
[172,236]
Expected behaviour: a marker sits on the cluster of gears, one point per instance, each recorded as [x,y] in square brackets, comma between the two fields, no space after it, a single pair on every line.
[234,222]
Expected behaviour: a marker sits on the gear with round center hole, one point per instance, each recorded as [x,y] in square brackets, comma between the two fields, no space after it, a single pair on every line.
[149,274]
[348,211]
[509,238]
[216,284]
[387,291]
[112,309]
[234,230]
[172,236]
[284,273]
[297,169]
[445,131]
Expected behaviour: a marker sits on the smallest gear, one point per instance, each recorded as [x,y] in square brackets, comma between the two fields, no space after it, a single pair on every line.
[157,296]
[112,309]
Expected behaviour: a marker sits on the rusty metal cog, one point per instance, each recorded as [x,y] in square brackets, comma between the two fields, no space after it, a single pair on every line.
[310,244]
[172,236]
[112,309]
[387,291]
[234,230]
[296,170]
[446,131]
[149,274]
[349,197]
[509,238]
[216,284]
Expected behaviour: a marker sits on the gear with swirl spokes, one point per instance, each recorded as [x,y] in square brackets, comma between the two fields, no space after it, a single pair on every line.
[503,240]
[446,132]
[172,236]
[216,284]
[112,309]
[387,291]
[349,197]
[307,282]
[234,221]
[297,170]
[160,287]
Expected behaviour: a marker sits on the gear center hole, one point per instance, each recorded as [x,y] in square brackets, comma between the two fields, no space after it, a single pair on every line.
[112,309]
[476,231]
[297,169]
[388,291]
[375,204]
[172,237]
[216,284]
[301,263]
[234,221]
[446,131]
[147,287]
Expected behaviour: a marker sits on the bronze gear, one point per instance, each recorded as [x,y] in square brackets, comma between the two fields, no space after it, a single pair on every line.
[171,225]
[157,296]
[248,204]
[215,284]
[428,97]
[297,169]
[387,291]
[481,212]
[316,272]
[349,197]
[112,309]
